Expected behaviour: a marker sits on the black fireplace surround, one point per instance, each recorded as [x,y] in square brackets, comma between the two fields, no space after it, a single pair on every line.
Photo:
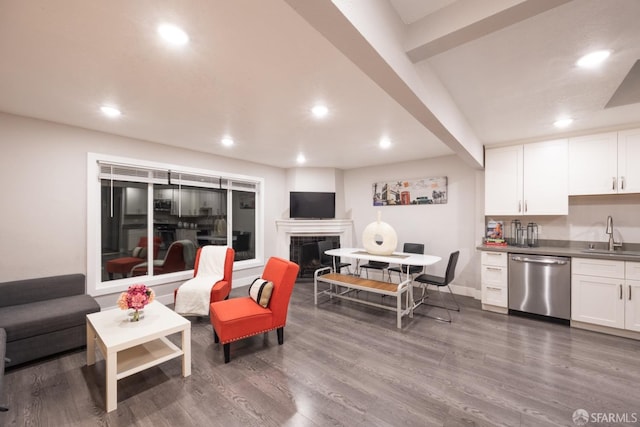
[303,250]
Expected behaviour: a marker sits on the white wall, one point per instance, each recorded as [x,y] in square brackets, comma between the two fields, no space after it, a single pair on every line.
[316,179]
[587,219]
[442,228]
[43,216]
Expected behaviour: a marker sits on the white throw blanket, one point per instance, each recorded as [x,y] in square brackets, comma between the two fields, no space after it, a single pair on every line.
[193,296]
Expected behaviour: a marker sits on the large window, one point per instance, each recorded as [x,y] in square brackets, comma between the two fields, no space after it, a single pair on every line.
[152,218]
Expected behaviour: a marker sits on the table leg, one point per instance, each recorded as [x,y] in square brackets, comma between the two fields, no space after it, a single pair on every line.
[186,351]
[91,344]
[399,309]
[315,290]
[112,380]
[411,299]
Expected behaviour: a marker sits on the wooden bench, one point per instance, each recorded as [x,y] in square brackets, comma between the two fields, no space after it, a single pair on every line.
[355,283]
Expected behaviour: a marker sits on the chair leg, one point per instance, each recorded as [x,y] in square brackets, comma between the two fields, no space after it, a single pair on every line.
[280,332]
[216,339]
[444,306]
[227,352]
[454,299]
[442,319]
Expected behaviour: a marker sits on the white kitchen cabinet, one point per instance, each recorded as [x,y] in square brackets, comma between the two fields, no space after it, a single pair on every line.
[494,281]
[605,163]
[530,179]
[632,305]
[628,156]
[593,164]
[632,297]
[503,180]
[213,201]
[185,202]
[135,201]
[606,293]
[597,300]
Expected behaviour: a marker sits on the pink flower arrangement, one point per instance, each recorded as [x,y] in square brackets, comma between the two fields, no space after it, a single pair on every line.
[136,297]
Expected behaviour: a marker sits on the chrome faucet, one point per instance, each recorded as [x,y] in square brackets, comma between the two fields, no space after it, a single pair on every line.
[612,244]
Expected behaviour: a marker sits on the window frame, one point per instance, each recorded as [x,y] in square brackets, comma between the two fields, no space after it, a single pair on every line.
[95,285]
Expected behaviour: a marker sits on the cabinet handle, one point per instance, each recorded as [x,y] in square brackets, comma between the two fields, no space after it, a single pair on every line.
[525,206]
[494,268]
[613,183]
[519,206]
[620,291]
[494,288]
[622,182]
[629,292]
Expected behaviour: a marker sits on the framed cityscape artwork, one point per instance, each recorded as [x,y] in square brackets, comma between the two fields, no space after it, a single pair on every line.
[425,191]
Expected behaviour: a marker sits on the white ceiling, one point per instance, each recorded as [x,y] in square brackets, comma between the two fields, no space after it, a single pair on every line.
[253,69]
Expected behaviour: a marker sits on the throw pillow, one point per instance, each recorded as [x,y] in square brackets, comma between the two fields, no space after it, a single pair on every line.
[260,291]
[139,252]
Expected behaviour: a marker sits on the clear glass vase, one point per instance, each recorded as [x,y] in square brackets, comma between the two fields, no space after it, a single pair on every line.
[136,315]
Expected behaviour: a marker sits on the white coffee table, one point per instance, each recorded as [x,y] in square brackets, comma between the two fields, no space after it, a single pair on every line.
[131,347]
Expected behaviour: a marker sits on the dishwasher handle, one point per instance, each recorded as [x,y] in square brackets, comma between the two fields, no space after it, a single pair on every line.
[538,260]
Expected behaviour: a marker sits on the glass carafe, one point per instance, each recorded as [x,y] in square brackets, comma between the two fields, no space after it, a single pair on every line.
[513,235]
[521,236]
[532,234]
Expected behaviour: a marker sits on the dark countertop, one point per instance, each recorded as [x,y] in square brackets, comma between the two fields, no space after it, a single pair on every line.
[570,249]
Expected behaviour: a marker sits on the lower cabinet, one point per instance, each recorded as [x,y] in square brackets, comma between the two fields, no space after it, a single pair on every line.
[632,303]
[494,278]
[606,293]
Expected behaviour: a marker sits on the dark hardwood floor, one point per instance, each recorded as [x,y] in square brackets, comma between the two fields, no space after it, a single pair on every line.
[344,363]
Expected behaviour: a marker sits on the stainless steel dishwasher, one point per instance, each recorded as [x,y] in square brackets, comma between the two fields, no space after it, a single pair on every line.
[540,285]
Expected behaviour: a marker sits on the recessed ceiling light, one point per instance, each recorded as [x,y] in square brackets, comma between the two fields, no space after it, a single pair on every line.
[110,111]
[593,59]
[227,141]
[320,111]
[301,159]
[172,34]
[563,123]
[385,143]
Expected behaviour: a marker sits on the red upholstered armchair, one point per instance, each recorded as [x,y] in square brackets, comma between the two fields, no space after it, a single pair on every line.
[173,261]
[124,265]
[238,318]
[220,290]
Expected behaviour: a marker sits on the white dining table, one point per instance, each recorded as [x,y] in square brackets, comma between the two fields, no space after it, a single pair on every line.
[405,259]
[351,283]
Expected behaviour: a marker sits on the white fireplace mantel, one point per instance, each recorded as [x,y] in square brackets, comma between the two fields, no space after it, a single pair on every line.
[312,227]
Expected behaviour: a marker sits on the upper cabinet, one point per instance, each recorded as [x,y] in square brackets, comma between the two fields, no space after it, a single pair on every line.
[530,179]
[135,201]
[628,156]
[593,164]
[603,163]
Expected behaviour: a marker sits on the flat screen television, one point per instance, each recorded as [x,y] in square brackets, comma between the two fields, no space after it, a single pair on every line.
[307,204]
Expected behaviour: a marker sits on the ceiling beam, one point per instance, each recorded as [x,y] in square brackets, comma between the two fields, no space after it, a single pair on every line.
[364,33]
[467,20]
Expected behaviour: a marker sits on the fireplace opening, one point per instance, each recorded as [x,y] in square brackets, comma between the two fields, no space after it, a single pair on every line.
[303,250]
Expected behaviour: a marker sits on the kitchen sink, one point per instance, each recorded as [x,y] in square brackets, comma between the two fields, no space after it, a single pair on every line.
[606,252]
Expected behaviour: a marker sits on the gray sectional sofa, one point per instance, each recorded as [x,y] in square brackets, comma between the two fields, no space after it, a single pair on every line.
[44,316]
